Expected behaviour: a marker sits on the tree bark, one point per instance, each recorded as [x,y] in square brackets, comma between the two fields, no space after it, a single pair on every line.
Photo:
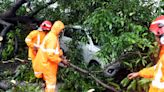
[40,8]
[11,12]
[7,26]
[11,17]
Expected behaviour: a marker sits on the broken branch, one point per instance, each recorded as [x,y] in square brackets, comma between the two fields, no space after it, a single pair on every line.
[88,73]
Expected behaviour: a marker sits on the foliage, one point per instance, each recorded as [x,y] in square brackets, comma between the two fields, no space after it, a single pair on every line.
[9,45]
[21,34]
[136,85]
[14,39]
[82,84]
[24,79]
[67,75]
[26,88]
[30,83]
[121,27]
[5,4]
[118,26]
[24,73]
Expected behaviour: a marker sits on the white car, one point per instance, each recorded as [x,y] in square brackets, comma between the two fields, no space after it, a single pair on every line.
[89,49]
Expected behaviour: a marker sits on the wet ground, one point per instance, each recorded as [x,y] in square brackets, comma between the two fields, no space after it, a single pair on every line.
[10,66]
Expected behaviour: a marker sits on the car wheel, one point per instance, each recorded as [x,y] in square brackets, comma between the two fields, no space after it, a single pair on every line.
[94,66]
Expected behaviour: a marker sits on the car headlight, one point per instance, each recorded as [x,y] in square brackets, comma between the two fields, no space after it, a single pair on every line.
[1,38]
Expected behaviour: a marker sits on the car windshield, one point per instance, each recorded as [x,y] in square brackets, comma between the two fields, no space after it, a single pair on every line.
[80,35]
[93,38]
[76,34]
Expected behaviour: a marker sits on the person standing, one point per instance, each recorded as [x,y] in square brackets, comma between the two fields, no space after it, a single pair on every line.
[155,72]
[49,56]
[35,38]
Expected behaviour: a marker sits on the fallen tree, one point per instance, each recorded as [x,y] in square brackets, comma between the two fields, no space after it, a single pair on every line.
[92,76]
[8,84]
[10,19]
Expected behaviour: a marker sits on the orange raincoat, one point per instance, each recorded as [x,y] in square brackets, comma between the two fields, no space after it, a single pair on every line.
[34,39]
[49,56]
[155,72]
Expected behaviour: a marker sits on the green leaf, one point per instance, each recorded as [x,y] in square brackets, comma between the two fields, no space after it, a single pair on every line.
[125,82]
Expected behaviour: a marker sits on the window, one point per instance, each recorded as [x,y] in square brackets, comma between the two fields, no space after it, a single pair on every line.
[76,34]
[68,32]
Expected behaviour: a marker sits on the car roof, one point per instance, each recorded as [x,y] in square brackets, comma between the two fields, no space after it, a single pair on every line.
[76,27]
[73,26]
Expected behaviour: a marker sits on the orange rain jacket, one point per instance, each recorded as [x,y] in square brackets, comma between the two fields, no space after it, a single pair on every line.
[34,39]
[155,72]
[49,56]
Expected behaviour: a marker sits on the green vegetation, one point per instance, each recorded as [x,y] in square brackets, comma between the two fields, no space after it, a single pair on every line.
[118,26]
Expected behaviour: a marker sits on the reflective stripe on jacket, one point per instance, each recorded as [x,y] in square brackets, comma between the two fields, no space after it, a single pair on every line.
[34,39]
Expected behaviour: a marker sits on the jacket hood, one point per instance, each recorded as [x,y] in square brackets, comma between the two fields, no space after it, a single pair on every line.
[57,27]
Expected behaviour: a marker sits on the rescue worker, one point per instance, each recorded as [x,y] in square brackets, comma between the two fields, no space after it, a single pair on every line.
[49,56]
[156,29]
[155,72]
[35,38]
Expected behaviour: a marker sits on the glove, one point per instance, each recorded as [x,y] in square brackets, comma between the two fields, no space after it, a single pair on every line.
[65,61]
[35,50]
